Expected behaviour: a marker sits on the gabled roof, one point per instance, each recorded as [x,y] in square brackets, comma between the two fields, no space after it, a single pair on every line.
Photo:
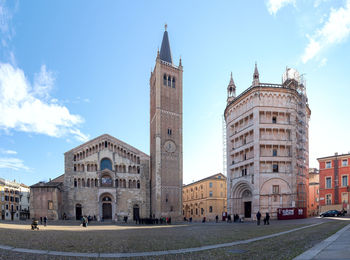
[107,136]
[165,52]
[52,183]
[212,177]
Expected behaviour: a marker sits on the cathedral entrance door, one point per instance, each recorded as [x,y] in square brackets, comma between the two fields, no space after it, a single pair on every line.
[107,211]
[78,214]
[136,211]
[248,209]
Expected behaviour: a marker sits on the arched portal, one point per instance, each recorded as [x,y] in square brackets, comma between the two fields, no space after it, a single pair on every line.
[242,199]
[136,212]
[78,212]
[106,208]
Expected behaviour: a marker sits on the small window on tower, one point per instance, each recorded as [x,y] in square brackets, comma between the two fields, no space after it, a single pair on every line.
[173,84]
[164,80]
[169,81]
[274,120]
[169,131]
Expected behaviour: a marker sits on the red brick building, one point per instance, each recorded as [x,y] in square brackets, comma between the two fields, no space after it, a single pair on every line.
[334,181]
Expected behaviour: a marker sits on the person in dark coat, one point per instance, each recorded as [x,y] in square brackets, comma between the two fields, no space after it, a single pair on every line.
[267,218]
[258,217]
[45,221]
[217,218]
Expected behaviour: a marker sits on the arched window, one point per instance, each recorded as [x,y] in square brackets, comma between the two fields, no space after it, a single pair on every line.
[106,164]
[138,184]
[75,183]
[173,85]
[164,80]
[83,182]
[124,183]
[79,183]
[134,184]
[138,169]
[88,182]
[116,183]
[129,169]
[92,183]
[130,184]
[96,183]
[169,81]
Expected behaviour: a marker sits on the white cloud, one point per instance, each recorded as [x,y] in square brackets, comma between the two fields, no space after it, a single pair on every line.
[335,30]
[7,151]
[26,108]
[43,83]
[13,163]
[273,6]
[5,16]
[323,62]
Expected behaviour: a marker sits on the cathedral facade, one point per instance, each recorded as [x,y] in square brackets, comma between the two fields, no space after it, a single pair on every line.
[110,180]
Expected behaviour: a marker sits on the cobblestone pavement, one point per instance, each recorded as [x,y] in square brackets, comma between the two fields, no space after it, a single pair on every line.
[96,228]
[334,247]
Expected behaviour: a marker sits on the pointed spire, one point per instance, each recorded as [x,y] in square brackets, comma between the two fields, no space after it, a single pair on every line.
[165,52]
[231,80]
[180,62]
[256,80]
[231,90]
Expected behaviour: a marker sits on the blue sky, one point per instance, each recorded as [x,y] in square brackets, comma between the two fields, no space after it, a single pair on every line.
[73,70]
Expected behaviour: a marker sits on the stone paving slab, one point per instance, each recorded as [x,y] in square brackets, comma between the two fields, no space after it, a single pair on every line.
[6,247]
[336,246]
[152,253]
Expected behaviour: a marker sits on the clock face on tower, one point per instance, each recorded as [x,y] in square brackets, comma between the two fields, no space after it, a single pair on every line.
[170,146]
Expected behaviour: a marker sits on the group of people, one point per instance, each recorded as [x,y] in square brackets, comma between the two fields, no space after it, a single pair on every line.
[43,219]
[266,218]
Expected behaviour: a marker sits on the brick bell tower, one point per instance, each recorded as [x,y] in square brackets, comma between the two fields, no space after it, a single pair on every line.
[166,134]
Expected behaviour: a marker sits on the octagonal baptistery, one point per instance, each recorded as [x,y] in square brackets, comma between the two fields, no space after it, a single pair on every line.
[107,179]
[267,146]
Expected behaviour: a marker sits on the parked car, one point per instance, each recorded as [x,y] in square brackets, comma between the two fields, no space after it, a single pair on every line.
[333,213]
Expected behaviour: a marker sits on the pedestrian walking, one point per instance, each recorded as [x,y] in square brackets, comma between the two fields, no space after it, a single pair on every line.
[41,220]
[217,218]
[45,221]
[267,218]
[258,217]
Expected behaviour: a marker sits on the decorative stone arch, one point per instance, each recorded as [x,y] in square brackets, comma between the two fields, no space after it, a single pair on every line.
[106,178]
[242,199]
[107,206]
[270,201]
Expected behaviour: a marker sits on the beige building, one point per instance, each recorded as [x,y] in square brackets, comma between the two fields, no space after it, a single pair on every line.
[14,201]
[205,198]
[110,179]
[267,146]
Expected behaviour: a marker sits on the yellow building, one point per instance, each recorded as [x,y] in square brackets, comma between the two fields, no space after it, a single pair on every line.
[205,198]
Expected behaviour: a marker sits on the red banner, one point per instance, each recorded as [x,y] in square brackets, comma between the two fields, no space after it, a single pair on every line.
[291,213]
